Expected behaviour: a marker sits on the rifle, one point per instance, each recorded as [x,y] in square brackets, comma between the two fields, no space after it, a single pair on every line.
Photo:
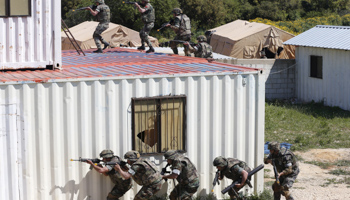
[121,163]
[165,24]
[93,7]
[182,41]
[216,180]
[93,160]
[240,180]
[275,171]
[130,2]
[165,171]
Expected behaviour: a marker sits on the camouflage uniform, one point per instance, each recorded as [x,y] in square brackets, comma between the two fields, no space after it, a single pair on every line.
[287,163]
[103,17]
[146,174]
[147,18]
[182,27]
[188,178]
[121,185]
[233,171]
[202,49]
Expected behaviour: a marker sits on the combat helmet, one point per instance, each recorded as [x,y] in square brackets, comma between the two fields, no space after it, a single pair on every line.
[201,38]
[106,153]
[100,1]
[132,155]
[170,154]
[274,146]
[220,162]
[177,11]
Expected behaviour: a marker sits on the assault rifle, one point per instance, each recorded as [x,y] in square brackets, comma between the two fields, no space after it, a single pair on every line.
[84,8]
[216,180]
[182,41]
[121,163]
[240,180]
[93,160]
[275,171]
[165,171]
[165,24]
[131,2]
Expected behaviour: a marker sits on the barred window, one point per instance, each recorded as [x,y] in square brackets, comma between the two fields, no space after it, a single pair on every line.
[158,124]
[316,66]
[15,8]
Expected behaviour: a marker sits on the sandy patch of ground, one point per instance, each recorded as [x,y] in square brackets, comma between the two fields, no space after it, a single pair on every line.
[312,181]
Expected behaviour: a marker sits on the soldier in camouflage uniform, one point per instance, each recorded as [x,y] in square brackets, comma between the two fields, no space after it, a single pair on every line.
[103,17]
[185,173]
[182,27]
[233,169]
[148,17]
[143,172]
[121,186]
[287,167]
[202,49]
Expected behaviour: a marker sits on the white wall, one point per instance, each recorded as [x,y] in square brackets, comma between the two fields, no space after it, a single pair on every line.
[44,125]
[32,41]
[333,88]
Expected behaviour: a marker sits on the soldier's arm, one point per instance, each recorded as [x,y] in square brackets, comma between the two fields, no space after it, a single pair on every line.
[142,10]
[125,174]
[93,12]
[99,168]
[176,25]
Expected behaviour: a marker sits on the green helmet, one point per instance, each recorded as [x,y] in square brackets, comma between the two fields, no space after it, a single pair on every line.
[274,146]
[100,1]
[132,155]
[220,162]
[201,38]
[106,154]
[177,11]
[170,154]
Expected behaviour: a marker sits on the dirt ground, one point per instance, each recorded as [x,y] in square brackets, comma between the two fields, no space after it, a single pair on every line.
[313,181]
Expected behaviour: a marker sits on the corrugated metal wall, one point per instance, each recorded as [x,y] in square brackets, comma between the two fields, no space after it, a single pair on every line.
[333,88]
[44,125]
[33,41]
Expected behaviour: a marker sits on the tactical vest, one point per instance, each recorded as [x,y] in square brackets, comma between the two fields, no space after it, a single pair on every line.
[206,50]
[189,173]
[232,174]
[148,16]
[104,15]
[185,25]
[281,160]
[115,176]
[149,176]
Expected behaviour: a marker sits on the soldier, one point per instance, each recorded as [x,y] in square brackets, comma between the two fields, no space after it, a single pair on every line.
[202,49]
[185,173]
[287,167]
[182,27]
[144,173]
[233,169]
[121,186]
[148,17]
[103,17]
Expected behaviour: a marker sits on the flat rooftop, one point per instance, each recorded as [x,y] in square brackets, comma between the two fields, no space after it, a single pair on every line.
[122,63]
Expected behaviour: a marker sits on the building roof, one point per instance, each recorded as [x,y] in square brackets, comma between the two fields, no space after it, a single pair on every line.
[323,36]
[122,63]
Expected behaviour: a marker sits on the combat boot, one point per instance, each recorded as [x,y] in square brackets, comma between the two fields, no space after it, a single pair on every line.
[150,50]
[106,45]
[141,47]
[99,50]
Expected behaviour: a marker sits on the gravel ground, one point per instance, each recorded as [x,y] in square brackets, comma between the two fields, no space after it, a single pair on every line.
[315,183]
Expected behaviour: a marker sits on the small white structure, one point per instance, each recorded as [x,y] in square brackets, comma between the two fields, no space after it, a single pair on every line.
[114,101]
[323,65]
[30,34]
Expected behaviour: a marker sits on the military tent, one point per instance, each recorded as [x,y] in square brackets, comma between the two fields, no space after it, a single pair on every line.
[243,39]
[117,35]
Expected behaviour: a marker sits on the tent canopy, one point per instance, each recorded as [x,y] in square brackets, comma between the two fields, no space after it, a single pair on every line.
[116,35]
[243,39]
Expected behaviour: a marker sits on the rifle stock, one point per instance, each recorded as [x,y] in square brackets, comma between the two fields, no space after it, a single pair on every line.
[255,170]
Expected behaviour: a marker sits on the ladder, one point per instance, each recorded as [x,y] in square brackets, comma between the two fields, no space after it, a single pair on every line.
[71,38]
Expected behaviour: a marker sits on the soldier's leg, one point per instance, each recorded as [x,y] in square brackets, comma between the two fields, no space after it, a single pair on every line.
[287,183]
[148,28]
[175,193]
[147,192]
[276,191]
[186,193]
[173,45]
[186,48]
[142,33]
[116,193]
[97,36]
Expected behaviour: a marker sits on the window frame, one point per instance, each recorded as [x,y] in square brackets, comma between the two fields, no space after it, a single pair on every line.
[158,99]
[8,10]
[316,64]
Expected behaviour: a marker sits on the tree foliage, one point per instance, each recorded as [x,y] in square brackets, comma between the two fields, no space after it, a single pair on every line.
[293,15]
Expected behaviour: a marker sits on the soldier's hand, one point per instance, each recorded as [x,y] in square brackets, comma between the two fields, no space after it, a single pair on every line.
[90,162]
[186,43]
[167,25]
